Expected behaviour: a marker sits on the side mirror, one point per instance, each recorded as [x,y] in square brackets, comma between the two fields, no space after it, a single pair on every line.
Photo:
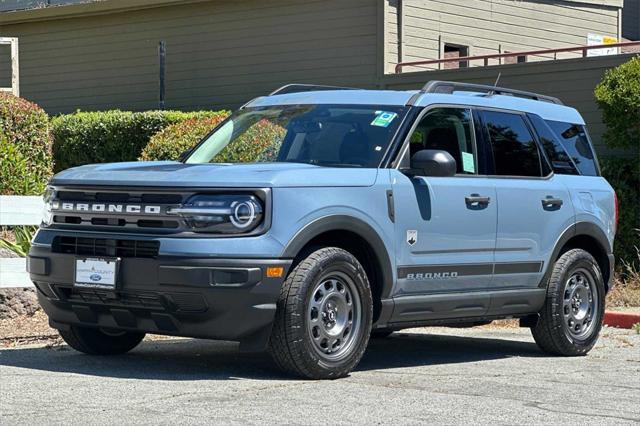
[433,162]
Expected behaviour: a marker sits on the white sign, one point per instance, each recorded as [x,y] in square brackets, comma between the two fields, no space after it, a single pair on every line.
[596,39]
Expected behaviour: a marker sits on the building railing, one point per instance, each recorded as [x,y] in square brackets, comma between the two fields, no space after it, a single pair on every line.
[526,53]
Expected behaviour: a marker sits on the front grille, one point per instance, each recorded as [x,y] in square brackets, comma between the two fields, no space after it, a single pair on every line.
[133,300]
[172,302]
[119,197]
[105,247]
[119,218]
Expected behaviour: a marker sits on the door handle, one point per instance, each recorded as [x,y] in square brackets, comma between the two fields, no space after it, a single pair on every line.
[476,200]
[551,203]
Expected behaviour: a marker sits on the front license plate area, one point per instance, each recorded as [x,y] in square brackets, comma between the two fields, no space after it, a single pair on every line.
[96,272]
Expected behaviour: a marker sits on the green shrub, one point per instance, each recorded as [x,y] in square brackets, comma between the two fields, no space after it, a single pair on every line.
[618,96]
[21,241]
[25,147]
[110,136]
[259,143]
[169,143]
[624,175]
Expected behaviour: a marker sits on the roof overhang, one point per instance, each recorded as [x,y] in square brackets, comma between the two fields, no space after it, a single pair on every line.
[99,7]
[607,3]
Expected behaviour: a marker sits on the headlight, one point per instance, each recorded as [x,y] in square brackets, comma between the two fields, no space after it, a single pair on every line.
[223,214]
[47,197]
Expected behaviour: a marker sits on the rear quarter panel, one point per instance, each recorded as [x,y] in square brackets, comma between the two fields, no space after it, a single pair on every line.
[593,201]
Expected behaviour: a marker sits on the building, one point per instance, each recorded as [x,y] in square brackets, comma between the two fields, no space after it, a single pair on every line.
[96,55]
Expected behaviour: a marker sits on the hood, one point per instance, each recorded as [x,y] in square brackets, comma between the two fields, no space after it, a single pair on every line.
[175,174]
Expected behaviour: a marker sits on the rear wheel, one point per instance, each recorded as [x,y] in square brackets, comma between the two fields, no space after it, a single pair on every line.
[571,318]
[96,341]
[323,317]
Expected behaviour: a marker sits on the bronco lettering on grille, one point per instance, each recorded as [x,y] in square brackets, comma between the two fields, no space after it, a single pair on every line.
[103,207]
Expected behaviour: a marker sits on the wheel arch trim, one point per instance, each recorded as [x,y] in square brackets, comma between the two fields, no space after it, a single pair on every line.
[350,224]
[580,229]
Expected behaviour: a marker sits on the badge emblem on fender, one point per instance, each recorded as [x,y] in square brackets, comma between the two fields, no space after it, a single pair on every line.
[412,237]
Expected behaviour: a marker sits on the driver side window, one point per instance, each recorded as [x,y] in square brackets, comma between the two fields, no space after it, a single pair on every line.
[447,129]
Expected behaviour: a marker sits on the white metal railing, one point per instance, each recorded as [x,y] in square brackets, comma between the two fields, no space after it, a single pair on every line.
[18,210]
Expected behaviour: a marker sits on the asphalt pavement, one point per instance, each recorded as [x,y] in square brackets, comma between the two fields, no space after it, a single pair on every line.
[436,375]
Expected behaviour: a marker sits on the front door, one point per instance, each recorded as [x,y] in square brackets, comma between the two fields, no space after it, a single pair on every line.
[445,226]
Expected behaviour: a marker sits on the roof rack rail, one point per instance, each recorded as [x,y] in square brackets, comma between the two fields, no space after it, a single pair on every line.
[437,86]
[295,88]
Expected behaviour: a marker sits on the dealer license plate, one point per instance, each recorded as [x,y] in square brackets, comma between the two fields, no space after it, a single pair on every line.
[97,272]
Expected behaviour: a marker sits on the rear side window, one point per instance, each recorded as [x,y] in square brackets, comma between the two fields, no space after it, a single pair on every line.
[560,161]
[575,141]
[515,152]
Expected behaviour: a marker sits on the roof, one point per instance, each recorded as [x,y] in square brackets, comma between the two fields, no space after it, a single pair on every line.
[546,110]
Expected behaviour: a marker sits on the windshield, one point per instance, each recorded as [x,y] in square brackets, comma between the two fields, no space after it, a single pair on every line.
[323,135]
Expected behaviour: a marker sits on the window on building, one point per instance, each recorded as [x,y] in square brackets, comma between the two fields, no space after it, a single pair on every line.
[574,139]
[455,51]
[447,129]
[515,152]
[514,59]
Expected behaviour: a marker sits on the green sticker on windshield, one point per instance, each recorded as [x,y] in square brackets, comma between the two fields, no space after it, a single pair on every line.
[468,165]
[383,119]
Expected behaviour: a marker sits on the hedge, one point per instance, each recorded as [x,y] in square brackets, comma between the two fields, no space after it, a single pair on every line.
[618,96]
[110,136]
[259,143]
[25,147]
[624,176]
[169,143]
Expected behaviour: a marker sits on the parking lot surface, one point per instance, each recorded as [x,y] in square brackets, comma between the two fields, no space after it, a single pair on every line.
[479,375]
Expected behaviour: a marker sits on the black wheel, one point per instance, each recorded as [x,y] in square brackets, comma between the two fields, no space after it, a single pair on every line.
[571,318]
[381,333]
[323,316]
[96,341]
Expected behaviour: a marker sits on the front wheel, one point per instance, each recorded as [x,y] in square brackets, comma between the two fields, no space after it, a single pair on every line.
[96,341]
[323,316]
[571,318]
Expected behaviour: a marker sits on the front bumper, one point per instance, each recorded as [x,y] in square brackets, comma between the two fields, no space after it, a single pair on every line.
[226,299]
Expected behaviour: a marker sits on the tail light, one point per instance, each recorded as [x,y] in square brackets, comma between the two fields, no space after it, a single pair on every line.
[617,210]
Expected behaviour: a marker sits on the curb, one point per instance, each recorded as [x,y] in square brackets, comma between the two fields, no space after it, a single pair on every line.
[621,319]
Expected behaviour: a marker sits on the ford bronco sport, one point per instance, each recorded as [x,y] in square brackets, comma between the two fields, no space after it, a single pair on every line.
[361,213]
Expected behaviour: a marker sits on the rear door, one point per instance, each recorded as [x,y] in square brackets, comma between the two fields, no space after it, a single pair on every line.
[534,206]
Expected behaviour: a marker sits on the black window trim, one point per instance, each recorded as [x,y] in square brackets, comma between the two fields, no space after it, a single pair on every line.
[403,152]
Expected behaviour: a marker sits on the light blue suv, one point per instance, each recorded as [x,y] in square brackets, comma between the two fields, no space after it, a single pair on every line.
[316,217]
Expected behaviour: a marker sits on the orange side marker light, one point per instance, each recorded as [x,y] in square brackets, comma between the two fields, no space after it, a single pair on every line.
[275,272]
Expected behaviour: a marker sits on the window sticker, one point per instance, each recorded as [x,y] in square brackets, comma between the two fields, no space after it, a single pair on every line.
[468,165]
[383,118]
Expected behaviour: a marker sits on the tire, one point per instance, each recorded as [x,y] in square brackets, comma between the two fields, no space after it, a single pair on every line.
[381,333]
[94,341]
[569,325]
[325,299]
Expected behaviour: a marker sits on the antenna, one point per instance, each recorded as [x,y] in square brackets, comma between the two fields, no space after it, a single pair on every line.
[492,91]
